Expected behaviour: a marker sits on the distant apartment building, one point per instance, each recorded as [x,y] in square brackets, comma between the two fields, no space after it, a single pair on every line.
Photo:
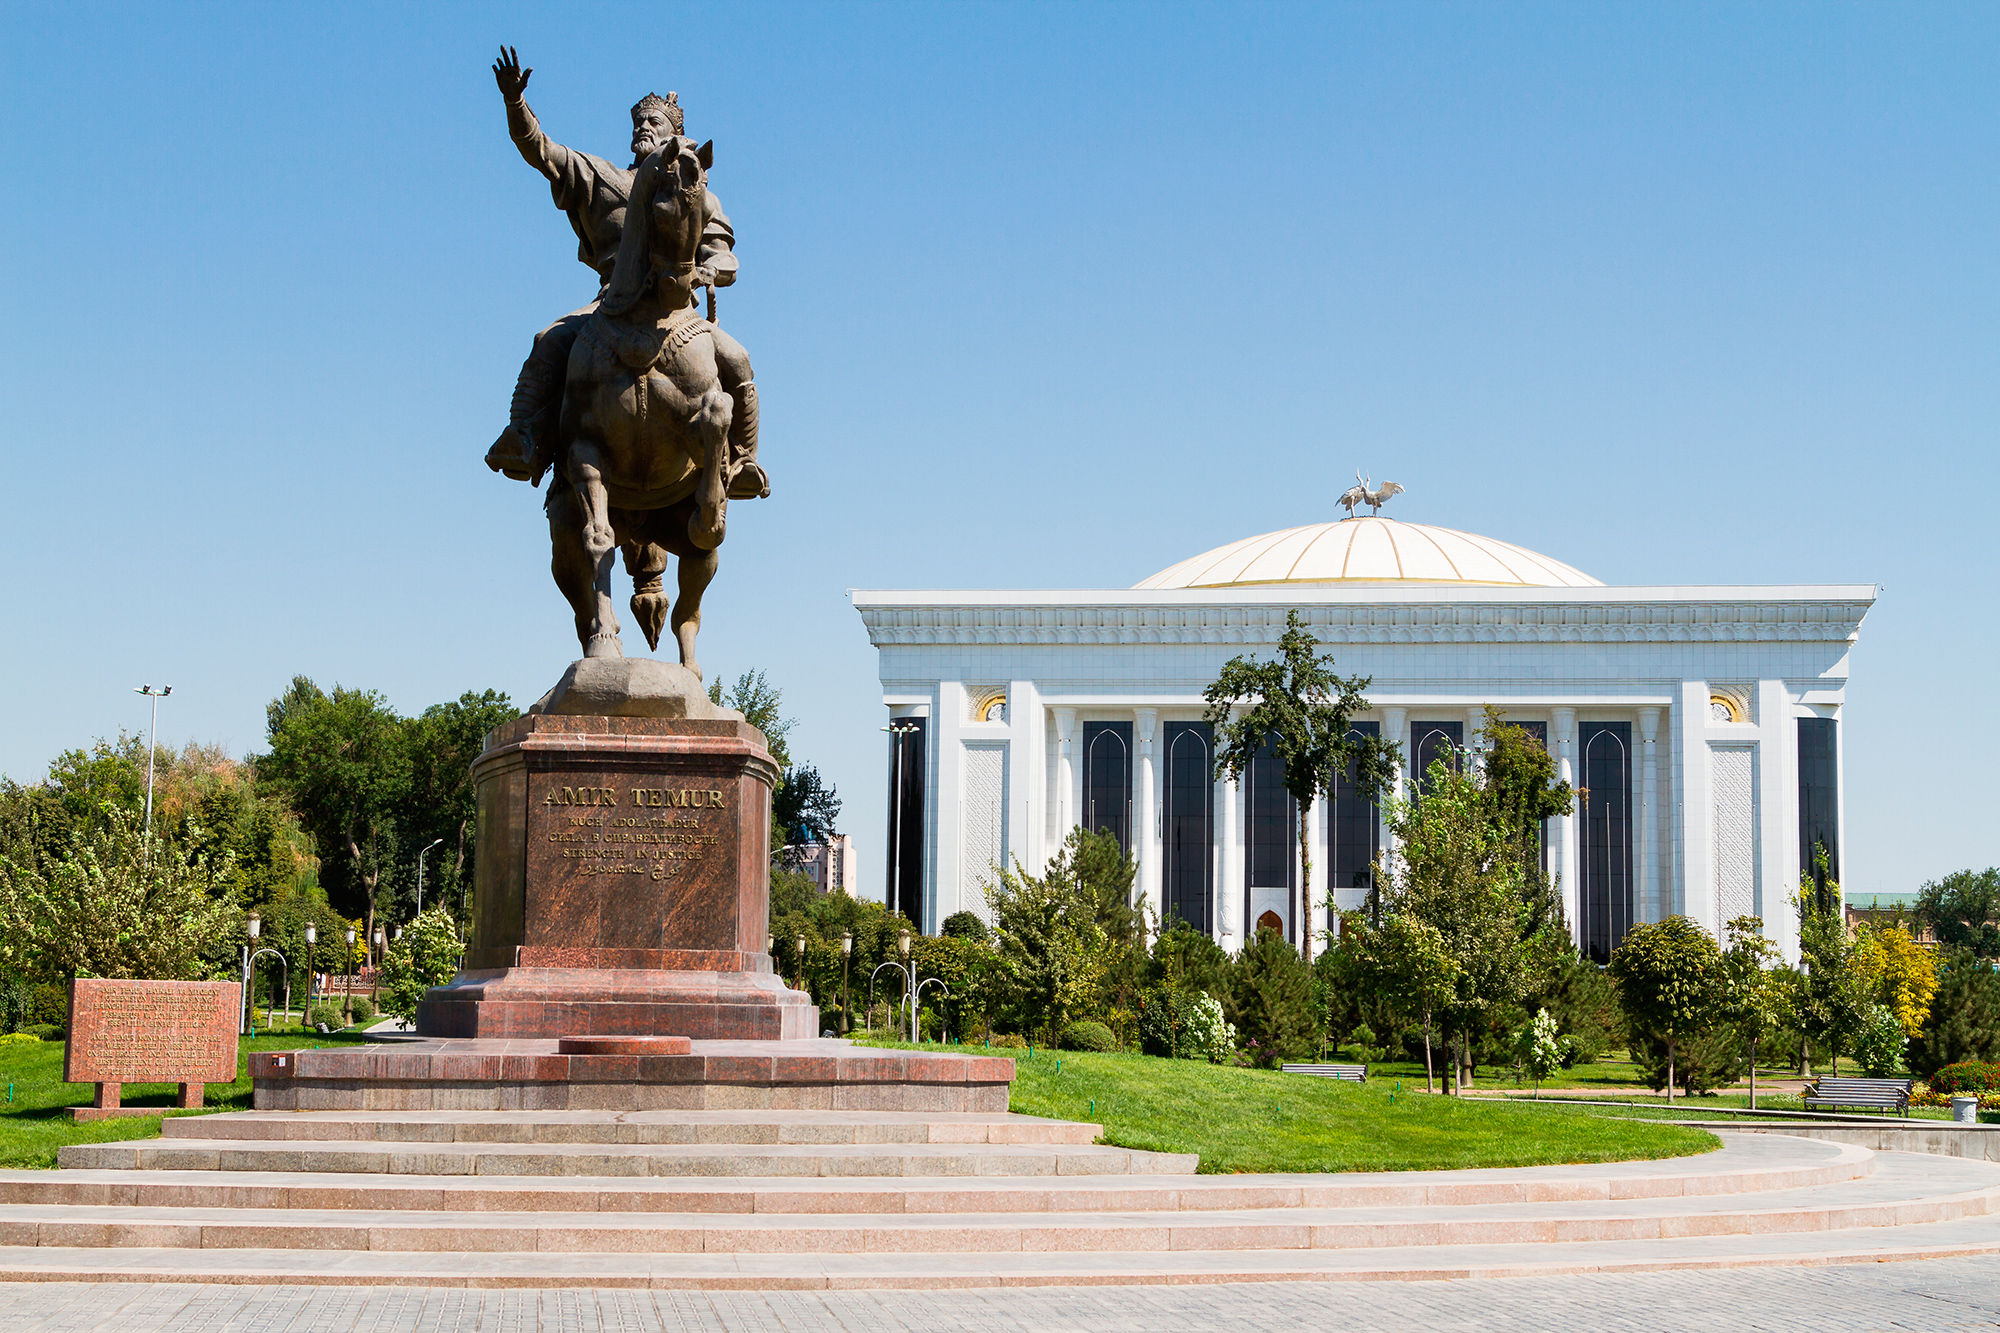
[831,864]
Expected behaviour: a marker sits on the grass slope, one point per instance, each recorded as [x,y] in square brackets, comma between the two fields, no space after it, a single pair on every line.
[1262,1120]
[34,1122]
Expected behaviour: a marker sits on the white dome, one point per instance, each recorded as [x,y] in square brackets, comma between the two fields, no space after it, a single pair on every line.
[1370,550]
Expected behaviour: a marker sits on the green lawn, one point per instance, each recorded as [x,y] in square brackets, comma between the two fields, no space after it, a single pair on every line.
[33,1122]
[1611,1072]
[1261,1120]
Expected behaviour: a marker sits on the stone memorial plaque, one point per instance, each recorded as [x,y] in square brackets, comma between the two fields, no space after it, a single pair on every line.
[151,1032]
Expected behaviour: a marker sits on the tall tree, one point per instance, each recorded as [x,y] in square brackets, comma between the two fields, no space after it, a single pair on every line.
[1831,999]
[1669,976]
[1963,910]
[805,808]
[342,760]
[1753,991]
[440,802]
[1519,786]
[1301,710]
[758,700]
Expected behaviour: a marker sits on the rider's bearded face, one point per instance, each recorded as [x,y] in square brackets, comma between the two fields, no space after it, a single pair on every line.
[650,129]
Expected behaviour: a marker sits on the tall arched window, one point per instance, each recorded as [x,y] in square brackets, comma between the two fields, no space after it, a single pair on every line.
[1187,802]
[1432,741]
[1107,779]
[1605,812]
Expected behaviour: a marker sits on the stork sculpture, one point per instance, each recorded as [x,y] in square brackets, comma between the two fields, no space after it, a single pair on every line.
[1361,495]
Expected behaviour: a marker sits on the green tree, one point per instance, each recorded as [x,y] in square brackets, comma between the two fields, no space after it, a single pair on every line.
[1963,910]
[1051,943]
[1415,968]
[1270,1004]
[1669,978]
[439,801]
[1754,995]
[1537,1048]
[758,700]
[342,760]
[113,906]
[1519,788]
[426,955]
[1298,709]
[1964,1020]
[1456,872]
[805,808]
[1831,999]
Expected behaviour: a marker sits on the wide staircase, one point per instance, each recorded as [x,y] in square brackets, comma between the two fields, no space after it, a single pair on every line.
[878,1199]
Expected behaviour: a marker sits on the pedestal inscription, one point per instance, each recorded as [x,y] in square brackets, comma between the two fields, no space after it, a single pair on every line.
[150,1032]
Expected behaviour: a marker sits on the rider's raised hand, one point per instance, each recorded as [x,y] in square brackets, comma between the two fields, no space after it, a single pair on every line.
[507,72]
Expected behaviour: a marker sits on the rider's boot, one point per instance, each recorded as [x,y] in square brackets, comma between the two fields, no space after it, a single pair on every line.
[747,480]
[525,449]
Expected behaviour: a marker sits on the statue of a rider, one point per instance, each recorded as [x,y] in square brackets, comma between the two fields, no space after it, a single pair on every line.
[594,192]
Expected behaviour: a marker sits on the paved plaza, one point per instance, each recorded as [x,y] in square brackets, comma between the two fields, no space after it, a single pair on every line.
[1937,1295]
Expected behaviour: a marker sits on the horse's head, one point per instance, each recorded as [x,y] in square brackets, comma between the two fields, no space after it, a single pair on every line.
[664,220]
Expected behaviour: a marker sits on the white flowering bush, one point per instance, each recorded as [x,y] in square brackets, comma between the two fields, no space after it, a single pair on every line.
[1207,1032]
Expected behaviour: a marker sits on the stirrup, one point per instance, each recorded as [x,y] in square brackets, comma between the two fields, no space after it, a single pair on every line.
[749,483]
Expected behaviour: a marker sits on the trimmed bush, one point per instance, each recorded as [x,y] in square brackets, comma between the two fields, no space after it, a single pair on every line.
[1969,1076]
[20,1039]
[1010,1041]
[328,1016]
[44,1031]
[1089,1035]
[965,926]
[364,1010]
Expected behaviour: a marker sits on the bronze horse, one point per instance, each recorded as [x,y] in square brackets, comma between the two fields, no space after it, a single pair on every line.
[659,411]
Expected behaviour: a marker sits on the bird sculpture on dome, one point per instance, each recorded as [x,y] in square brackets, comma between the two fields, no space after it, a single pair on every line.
[1362,495]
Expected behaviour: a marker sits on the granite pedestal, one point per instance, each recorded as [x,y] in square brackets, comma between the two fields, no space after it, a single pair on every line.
[622,886]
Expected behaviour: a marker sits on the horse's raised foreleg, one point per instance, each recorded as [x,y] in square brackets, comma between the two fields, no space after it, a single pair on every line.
[696,573]
[710,423]
[600,548]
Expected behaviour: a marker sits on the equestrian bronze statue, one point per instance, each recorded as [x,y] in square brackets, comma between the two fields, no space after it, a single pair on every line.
[644,412]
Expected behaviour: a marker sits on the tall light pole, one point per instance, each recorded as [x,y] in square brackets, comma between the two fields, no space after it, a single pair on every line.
[420,874]
[152,740]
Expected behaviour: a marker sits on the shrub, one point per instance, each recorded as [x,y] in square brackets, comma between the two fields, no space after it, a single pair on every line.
[1162,1019]
[1711,1058]
[1879,1045]
[1970,1076]
[1273,1008]
[328,1016]
[49,1006]
[426,956]
[965,926]
[20,1039]
[364,1010]
[1361,1047]
[1964,1022]
[44,1031]
[1089,1035]
[1010,1041]
[1207,1034]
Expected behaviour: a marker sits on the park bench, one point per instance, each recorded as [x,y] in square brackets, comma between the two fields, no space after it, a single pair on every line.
[1348,1073]
[1887,1094]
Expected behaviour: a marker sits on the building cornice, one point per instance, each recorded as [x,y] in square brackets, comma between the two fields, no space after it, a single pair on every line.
[1381,614]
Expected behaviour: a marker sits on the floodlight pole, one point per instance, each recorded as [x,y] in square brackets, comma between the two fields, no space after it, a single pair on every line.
[420,874]
[152,742]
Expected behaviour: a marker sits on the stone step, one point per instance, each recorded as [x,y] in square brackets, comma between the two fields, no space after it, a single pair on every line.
[632,1127]
[820,1271]
[625,1159]
[1738,1169]
[1906,1190]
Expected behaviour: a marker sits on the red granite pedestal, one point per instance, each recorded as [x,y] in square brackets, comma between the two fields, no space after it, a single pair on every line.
[622,886]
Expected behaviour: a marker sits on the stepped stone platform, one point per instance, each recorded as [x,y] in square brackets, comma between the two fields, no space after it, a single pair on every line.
[534,1074]
[775,1198]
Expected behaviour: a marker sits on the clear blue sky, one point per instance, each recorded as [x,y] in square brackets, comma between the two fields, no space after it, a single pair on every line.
[1039,296]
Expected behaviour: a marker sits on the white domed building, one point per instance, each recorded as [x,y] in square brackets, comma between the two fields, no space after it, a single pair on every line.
[1703,720]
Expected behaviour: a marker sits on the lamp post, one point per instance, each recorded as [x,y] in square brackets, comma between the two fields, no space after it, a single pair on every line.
[802,961]
[349,1015]
[420,874]
[152,741]
[846,1004]
[912,989]
[375,976]
[312,978]
[251,929]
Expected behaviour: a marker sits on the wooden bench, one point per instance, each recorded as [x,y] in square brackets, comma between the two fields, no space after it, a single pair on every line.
[1884,1094]
[1347,1073]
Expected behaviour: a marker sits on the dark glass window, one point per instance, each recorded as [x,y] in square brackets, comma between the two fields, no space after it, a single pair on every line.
[1270,835]
[906,817]
[1188,827]
[1107,779]
[1432,741]
[1353,832]
[1605,902]
[1819,797]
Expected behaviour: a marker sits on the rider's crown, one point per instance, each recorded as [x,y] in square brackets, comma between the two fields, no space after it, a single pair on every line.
[671,104]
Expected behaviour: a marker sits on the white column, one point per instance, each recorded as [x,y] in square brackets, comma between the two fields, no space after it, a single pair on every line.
[1696,832]
[1395,729]
[1065,773]
[1566,825]
[1316,884]
[1229,888]
[947,813]
[1025,731]
[1778,813]
[1145,820]
[1648,839]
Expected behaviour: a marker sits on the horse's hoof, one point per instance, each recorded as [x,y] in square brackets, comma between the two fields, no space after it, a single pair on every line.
[604,645]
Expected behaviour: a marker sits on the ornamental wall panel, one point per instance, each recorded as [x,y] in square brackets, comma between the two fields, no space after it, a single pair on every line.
[1732,785]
